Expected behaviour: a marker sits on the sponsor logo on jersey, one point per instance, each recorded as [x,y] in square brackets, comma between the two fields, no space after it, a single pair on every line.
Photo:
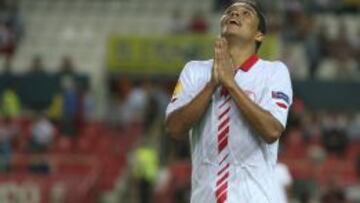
[178,89]
[281,96]
[281,99]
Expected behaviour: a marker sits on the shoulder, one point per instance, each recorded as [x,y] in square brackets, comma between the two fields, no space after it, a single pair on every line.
[198,66]
[275,67]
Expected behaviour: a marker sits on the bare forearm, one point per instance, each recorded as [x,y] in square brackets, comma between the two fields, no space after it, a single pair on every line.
[262,121]
[179,122]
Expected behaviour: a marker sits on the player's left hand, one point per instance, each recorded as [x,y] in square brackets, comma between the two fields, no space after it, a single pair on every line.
[225,65]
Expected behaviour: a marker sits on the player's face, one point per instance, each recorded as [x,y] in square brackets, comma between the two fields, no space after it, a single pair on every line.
[240,20]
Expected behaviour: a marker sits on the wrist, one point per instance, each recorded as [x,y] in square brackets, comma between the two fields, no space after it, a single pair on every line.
[229,84]
[212,84]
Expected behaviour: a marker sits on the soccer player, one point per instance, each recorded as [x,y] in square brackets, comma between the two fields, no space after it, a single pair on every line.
[235,107]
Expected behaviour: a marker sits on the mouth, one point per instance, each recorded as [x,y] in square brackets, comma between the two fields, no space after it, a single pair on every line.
[234,22]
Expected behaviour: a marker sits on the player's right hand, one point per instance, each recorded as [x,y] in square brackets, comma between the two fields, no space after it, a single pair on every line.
[215,68]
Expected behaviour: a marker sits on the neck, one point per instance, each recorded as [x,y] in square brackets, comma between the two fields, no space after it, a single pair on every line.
[240,51]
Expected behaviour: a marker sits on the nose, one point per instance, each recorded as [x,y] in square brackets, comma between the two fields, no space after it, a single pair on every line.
[235,13]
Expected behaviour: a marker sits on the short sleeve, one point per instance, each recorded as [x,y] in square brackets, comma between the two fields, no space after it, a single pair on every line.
[283,175]
[186,88]
[277,95]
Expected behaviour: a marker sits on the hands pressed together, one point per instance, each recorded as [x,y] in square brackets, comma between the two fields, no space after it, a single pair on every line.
[223,67]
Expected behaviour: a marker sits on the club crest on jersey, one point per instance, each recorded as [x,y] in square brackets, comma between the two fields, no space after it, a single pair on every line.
[280,98]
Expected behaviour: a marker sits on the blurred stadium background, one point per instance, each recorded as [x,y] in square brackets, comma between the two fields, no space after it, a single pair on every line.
[84,85]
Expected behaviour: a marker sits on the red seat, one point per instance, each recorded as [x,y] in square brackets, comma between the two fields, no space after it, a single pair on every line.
[84,145]
[353,150]
[63,145]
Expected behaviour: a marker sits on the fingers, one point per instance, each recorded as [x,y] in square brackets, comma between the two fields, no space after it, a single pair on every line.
[217,50]
[223,44]
[223,67]
[221,48]
[217,53]
[220,52]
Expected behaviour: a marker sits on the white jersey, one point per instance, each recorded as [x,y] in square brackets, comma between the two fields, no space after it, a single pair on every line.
[230,161]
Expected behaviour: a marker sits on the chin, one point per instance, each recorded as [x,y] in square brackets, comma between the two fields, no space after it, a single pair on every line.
[228,31]
[230,34]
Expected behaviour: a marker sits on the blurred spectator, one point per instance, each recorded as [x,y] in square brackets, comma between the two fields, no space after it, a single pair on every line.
[339,65]
[353,129]
[56,108]
[335,141]
[134,106]
[295,58]
[66,70]
[10,104]
[353,191]
[174,183]
[7,43]
[36,66]
[89,105]
[39,165]
[114,111]
[333,193]
[11,29]
[302,50]
[73,97]
[283,175]
[295,18]
[324,40]
[43,132]
[311,43]
[334,196]
[311,127]
[177,24]
[145,172]
[272,45]
[156,105]
[15,21]
[8,131]
[198,23]
[71,104]
[114,117]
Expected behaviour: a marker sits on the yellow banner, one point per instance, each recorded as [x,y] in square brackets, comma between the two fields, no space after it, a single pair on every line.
[156,55]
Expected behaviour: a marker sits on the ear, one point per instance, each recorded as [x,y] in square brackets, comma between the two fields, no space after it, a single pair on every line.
[259,37]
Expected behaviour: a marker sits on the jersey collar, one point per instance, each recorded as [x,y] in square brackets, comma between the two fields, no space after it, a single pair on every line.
[248,64]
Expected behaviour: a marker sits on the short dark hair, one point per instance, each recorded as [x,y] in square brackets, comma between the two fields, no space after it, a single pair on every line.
[260,14]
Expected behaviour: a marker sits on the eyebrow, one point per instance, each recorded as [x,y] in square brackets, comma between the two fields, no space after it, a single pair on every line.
[245,5]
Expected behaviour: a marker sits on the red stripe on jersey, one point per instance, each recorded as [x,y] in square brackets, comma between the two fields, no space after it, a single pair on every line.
[225,122]
[282,105]
[224,92]
[223,144]
[221,189]
[222,198]
[223,134]
[225,157]
[226,101]
[223,169]
[224,113]
[222,141]
[222,179]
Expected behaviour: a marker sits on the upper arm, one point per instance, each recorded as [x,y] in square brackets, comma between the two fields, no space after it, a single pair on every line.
[277,95]
[184,89]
